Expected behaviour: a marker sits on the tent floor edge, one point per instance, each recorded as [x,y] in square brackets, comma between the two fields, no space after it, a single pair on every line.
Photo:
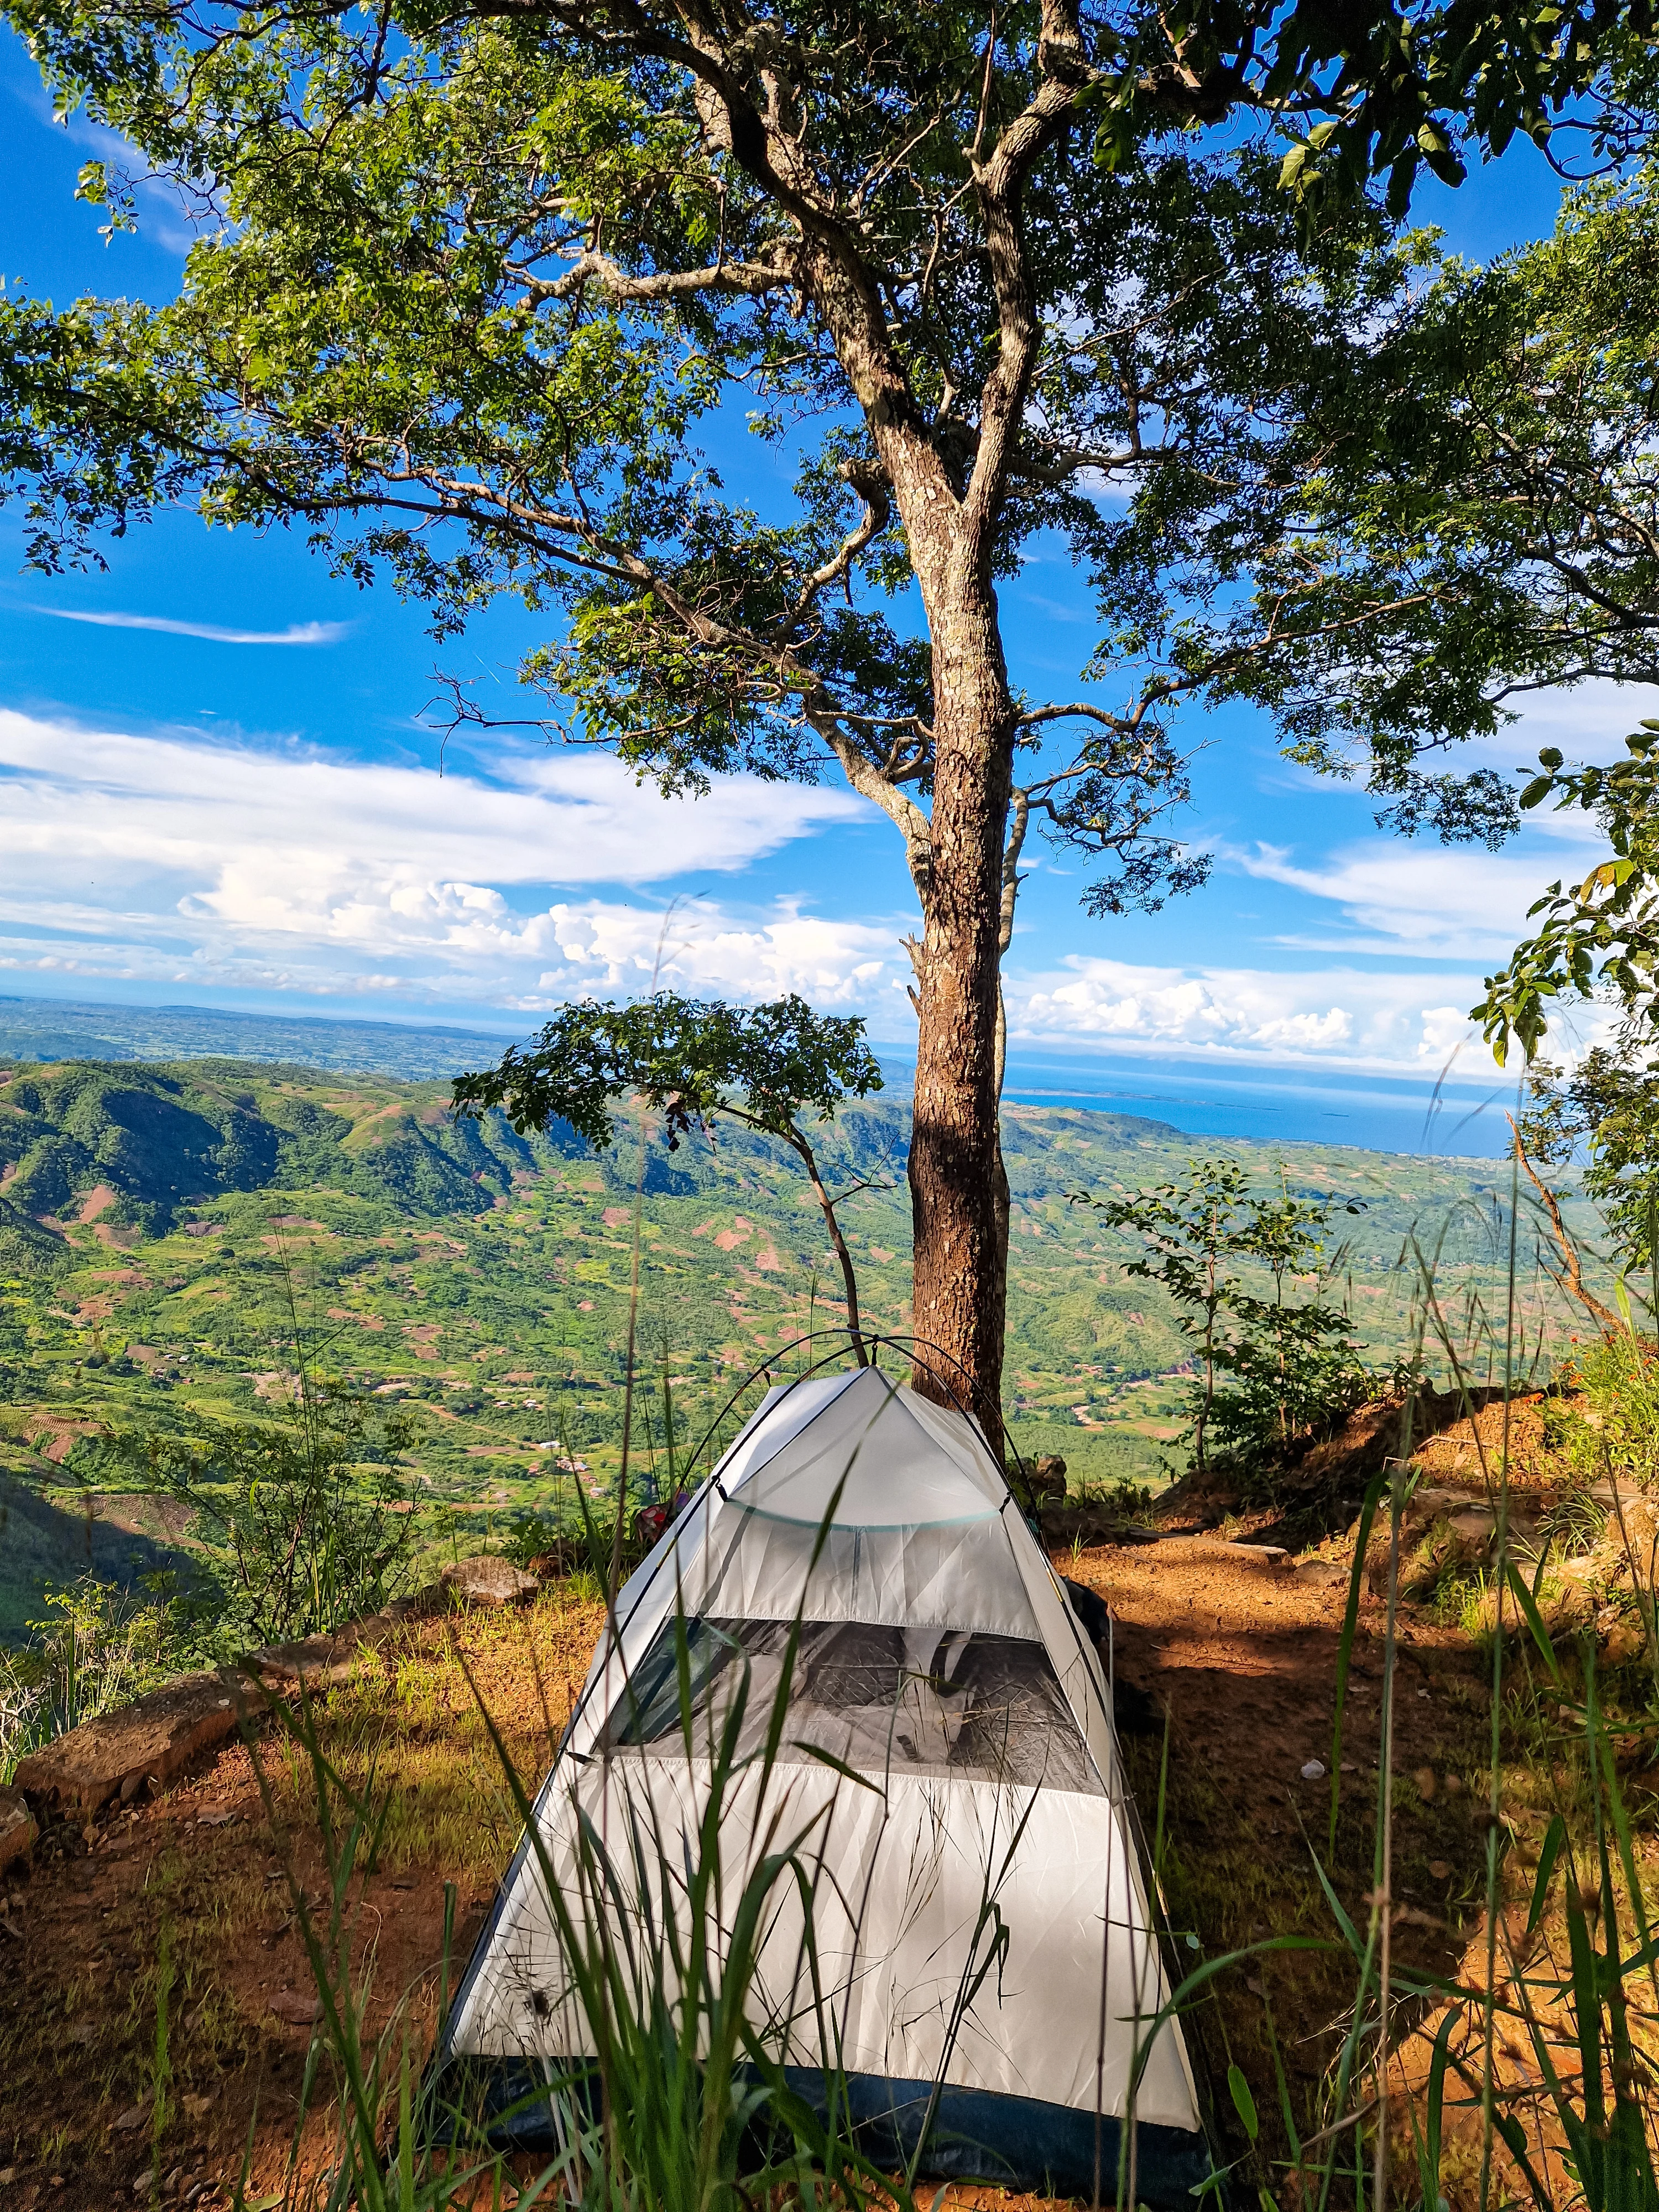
[1021,2143]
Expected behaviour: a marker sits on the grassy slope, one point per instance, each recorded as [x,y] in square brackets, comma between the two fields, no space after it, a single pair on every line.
[162,1224]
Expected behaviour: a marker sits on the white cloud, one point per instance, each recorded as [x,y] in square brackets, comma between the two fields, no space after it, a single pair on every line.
[169,860]
[1333,1018]
[1420,900]
[1382,1023]
[311,632]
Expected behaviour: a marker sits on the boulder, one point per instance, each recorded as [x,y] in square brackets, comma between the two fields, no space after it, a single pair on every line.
[1454,1541]
[1620,1633]
[1048,1477]
[152,1739]
[489,1581]
[17,1828]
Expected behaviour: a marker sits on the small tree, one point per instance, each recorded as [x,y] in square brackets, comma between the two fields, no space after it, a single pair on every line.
[313,1508]
[1292,1365]
[1190,1229]
[690,1060]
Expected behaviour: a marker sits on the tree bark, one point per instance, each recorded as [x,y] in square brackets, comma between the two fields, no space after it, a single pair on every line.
[956,1166]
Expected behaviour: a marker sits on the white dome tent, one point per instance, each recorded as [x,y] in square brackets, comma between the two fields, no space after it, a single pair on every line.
[947,1745]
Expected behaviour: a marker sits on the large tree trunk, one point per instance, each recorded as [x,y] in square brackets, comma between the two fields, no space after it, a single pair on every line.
[955,1160]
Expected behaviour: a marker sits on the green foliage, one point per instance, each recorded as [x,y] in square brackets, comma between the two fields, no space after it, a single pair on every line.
[1618,1377]
[1599,937]
[688,1059]
[1603,1117]
[1192,1228]
[312,1509]
[478,291]
[97,1647]
[1291,1367]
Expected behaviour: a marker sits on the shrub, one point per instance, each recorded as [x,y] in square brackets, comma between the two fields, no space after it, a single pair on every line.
[100,1646]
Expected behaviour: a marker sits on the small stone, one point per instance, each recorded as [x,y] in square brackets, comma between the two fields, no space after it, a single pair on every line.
[298,2010]
[134,2116]
[1454,1785]
[1441,1869]
[133,1787]
[17,1828]
[1426,1784]
[1314,1771]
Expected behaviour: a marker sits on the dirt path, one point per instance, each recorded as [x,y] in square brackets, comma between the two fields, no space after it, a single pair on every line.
[1241,1654]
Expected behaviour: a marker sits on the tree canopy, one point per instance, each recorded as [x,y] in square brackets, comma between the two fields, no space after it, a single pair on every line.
[690,1060]
[477,300]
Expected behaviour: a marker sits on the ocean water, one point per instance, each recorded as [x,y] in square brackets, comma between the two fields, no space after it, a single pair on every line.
[1454,1120]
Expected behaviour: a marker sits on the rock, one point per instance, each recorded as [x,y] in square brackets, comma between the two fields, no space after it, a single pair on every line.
[1323,1574]
[1424,1778]
[1451,1542]
[1619,1634]
[154,1739]
[134,2116]
[1440,1869]
[1314,1771]
[17,1828]
[319,1662]
[297,2008]
[488,1580]
[1048,1477]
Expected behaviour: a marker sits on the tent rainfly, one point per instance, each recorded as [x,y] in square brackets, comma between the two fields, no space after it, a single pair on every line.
[938,1657]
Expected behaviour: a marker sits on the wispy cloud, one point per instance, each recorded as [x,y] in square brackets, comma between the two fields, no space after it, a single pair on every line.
[311,632]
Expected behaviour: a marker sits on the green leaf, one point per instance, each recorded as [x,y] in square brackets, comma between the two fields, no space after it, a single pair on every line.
[1555,1836]
[1534,1621]
[1243,2102]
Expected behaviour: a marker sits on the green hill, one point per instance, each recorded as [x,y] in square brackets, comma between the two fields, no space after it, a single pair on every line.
[165,1226]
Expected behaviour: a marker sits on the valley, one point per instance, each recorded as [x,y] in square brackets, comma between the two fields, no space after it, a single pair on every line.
[178,1236]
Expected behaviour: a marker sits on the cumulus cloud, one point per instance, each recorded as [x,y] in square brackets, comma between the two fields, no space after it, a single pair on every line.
[311,632]
[1331,1018]
[169,860]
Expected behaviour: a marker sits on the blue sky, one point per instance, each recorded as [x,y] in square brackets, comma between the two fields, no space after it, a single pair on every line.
[220,789]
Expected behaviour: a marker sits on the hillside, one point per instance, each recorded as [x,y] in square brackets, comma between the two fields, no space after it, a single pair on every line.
[166,1227]
[61,1029]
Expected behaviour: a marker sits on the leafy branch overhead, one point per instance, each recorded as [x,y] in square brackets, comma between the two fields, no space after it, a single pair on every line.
[690,1059]
[499,276]
[1598,936]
